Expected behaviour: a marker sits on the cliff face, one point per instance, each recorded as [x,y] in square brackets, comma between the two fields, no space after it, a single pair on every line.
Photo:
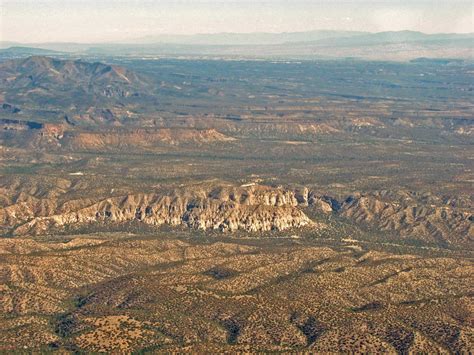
[53,206]
[142,138]
[61,137]
[225,208]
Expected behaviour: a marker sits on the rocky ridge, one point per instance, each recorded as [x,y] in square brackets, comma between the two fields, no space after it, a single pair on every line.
[47,136]
[411,219]
[253,209]
[227,208]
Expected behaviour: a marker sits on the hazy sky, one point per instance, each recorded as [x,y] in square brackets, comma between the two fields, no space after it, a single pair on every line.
[107,20]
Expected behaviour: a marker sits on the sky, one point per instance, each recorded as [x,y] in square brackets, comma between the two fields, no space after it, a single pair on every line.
[90,21]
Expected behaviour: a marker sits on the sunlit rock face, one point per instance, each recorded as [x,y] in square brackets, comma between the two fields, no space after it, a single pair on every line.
[224,208]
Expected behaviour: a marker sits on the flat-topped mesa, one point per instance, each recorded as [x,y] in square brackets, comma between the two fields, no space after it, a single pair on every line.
[143,138]
[62,137]
[252,209]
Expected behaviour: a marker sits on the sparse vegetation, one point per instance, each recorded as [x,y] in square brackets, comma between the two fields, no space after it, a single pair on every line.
[240,206]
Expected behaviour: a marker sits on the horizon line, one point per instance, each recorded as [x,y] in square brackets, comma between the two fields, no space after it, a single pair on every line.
[122,41]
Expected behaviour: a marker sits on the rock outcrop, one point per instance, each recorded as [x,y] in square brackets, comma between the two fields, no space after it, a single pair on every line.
[141,138]
[226,208]
[54,137]
[53,206]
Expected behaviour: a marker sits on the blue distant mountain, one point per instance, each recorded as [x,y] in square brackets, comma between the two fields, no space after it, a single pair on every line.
[396,45]
[247,38]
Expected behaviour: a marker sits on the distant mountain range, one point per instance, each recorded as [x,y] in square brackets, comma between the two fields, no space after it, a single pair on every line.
[400,45]
[224,39]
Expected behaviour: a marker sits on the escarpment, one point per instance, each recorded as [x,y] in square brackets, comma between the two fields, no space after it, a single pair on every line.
[59,137]
[253,209]
[228,208]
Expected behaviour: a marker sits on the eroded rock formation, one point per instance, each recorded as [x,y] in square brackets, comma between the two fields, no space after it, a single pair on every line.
[225,208]
[53,206]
